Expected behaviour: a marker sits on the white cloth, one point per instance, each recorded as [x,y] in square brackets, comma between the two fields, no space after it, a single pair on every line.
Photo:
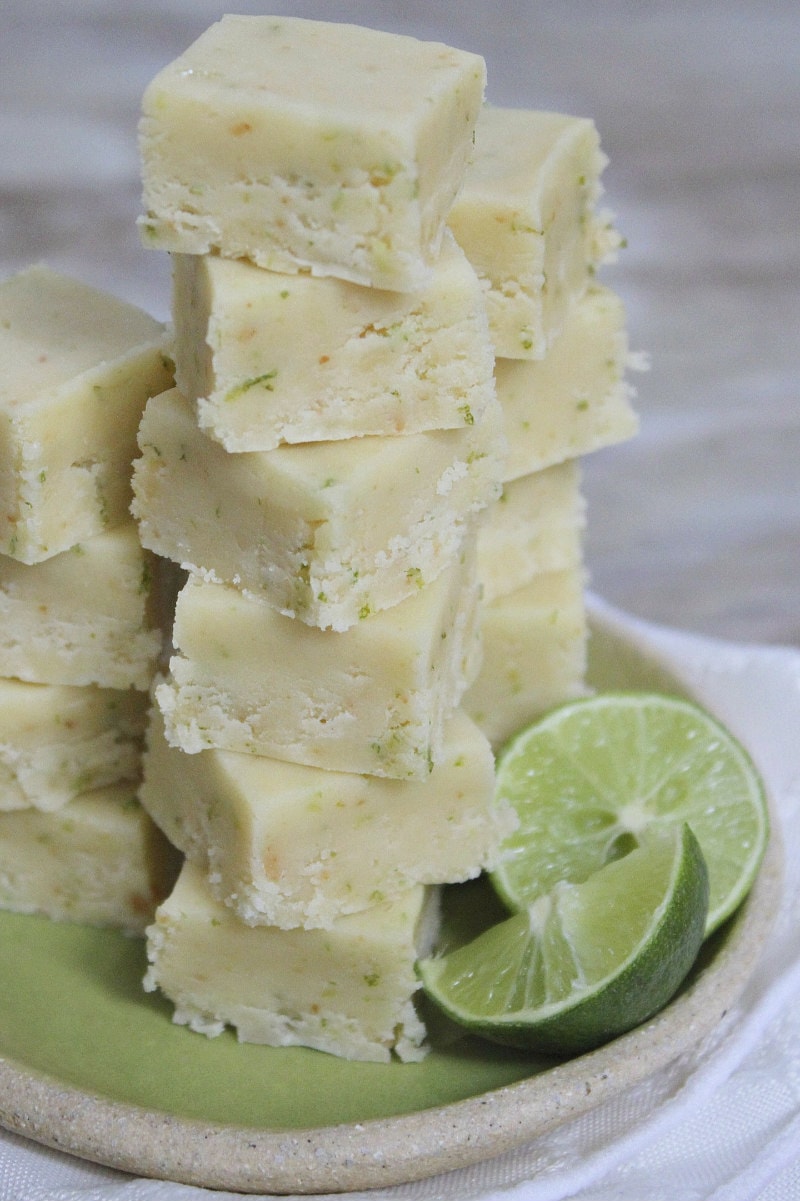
[723,1126]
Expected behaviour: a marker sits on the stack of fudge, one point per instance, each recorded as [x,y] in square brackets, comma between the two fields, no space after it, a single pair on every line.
[386,367]
[529,220]
[79,631]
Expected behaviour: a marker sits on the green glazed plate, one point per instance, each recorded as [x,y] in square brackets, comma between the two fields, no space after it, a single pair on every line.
[91,1064]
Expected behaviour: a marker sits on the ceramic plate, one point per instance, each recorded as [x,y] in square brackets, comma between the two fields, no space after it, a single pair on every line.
[92,1065]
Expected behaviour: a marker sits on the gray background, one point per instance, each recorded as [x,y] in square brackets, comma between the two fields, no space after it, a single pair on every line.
[697,522]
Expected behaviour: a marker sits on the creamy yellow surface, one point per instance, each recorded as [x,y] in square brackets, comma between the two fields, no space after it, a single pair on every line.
[305,144]
[348,990]
[327,531]
[536,525]
[85,616]
[99,860]
[535,642]
[287,845]
[527,219]
[268,359]
[76,367]
[372,699]
[576,399]
[57,741]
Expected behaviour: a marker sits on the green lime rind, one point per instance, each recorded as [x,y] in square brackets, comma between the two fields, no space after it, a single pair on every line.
[588,961]
[588,778]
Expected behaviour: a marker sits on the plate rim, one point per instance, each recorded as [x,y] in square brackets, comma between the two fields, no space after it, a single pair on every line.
[403,1148]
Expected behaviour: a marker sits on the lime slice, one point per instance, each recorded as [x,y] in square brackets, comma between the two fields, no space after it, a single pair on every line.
[592,776]
[585,962]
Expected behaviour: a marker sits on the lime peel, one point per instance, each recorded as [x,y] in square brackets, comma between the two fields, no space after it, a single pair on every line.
[588,962]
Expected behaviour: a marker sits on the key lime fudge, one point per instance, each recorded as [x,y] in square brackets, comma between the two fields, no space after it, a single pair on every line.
[309,145]
[269,359]
[527,218]
[535,645]
[536,525]
[384,544]
[57,741]
[287,845]
[329,532]
[372,699]
[348,990]
[88,615]
[99,860]
[575,400]
[76,367]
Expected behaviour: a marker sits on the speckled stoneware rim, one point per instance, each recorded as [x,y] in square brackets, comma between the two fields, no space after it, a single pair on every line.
[395,1150]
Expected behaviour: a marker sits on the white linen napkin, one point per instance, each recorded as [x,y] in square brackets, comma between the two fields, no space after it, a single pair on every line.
[721,1125]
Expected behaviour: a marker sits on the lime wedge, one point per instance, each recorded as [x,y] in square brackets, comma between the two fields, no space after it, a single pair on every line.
[585,962]
[591,777]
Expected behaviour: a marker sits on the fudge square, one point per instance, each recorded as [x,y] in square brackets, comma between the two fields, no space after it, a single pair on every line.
[88,615]
[526,217]
[326,531]
[576,399]
[287,845]
[535,651]
[76,368]
[309,145]
[57,741]
[269,359]
[348,990]
[537,525]
[372,699]
[99,860]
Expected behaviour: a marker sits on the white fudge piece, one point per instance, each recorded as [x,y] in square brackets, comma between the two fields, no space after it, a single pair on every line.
[535,642]
[326,531]
[348,990]
[76,367]
[57,741]
[85,616]
[527,219]
[100,861]
[268,359]
[536,526]
[575,400]
[286,845]
[371,700]
[309,145]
